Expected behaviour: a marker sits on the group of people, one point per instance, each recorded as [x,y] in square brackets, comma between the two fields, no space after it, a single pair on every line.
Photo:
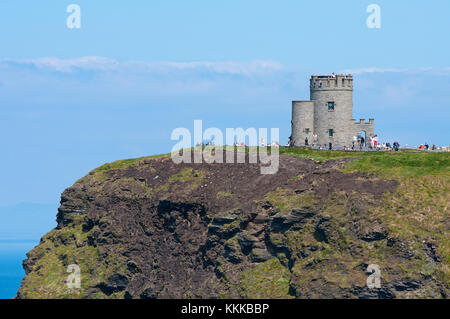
[373,144]
[262,144]
[426,147]
[314,143]
[272,144]
[205,144]
[359,142]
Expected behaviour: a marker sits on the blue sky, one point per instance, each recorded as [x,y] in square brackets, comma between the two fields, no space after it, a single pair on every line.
[73,99]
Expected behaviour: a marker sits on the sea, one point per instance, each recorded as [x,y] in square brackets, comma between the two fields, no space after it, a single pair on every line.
[12,253]
[21,227]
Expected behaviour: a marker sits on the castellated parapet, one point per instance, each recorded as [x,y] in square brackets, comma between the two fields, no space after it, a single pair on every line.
[328,113]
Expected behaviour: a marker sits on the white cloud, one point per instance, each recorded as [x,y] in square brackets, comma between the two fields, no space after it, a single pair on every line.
[103,64]
[418,70]
[230,67]
[373,70]
[69,65]
[95,63]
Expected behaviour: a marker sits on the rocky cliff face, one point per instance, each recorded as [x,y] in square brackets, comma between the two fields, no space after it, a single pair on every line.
[149,228]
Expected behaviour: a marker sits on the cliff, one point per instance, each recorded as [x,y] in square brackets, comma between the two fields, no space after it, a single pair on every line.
[149,228]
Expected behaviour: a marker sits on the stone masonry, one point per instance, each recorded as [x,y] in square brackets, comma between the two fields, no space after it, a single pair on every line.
[328,113]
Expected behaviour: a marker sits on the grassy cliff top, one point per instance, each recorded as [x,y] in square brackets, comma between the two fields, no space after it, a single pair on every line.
[150,228]
[387,163]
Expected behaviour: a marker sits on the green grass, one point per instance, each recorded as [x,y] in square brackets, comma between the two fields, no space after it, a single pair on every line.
[384,163]
[402,164]
[266,280]
[60,248]
[285,200]
[122,164]
[224,195]
[415,212]
[318,155]
[187,175]
[418,211]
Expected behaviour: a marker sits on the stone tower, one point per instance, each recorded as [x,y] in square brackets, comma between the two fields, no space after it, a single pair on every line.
[328,113]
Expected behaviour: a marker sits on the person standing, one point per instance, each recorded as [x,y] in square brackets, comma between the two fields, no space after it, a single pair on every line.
[396,146]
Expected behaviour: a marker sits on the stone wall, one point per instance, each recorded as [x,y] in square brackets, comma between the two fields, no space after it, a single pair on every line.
[302,122]
[325,89]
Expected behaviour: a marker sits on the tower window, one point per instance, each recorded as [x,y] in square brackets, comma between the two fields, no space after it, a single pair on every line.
[330,132]
[330,106]
[307,130]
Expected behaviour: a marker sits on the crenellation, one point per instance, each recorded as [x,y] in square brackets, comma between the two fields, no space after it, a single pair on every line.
[326,82]
[364,121]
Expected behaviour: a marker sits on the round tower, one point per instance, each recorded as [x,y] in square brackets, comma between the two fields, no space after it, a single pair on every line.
[302,122]
[333,107]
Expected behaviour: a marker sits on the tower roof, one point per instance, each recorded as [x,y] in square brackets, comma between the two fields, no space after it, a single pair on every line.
[332,82]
